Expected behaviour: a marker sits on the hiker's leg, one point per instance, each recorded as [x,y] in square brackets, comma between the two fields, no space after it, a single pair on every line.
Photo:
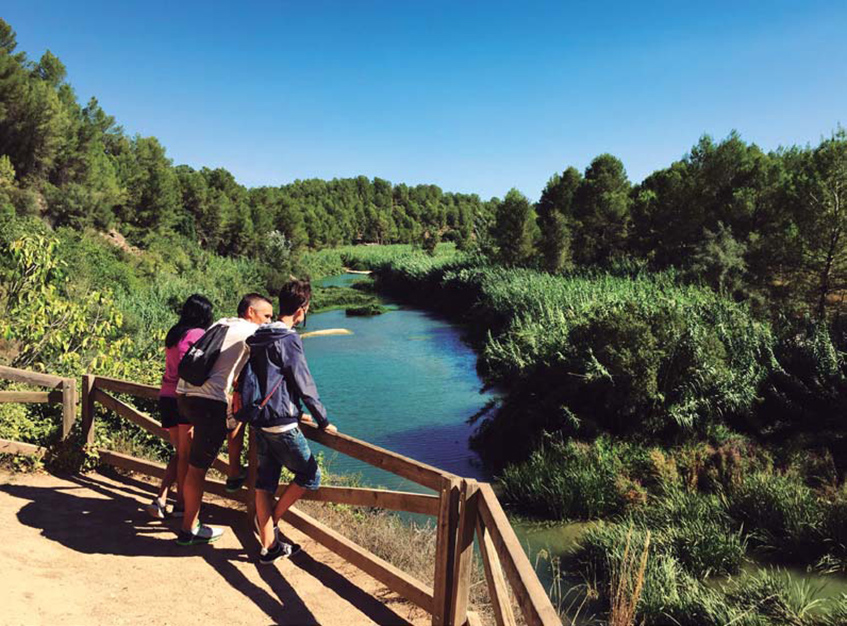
[264,515]
[209,419]
[194,482]
[289,496]
[297,457]
[235,445]
[170,476]
[183,452]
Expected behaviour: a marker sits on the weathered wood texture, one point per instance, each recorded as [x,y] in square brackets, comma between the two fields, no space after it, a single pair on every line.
[31,378]
[379,498]
[535,605]
[68,406]
[498,592]
[473,619]
[129,412]
[445,544]
[87,409]
[138,390]
[34,397]
[383,571]
[18,447]
[410,469]
[463,557]
[157,470]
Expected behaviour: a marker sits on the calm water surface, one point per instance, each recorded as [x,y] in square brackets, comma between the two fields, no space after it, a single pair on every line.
[403,380]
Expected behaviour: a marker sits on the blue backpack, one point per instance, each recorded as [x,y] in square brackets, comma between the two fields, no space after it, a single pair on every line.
[252,403]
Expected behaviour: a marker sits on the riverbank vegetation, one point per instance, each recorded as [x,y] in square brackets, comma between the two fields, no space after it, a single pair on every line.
[669,355]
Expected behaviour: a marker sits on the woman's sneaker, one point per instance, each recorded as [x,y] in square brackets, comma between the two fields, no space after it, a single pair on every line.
[237,482]
[156,509]
[258,533]
[200,534]
[280,549]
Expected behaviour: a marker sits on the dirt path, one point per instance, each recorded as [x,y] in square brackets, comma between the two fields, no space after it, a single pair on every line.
[79,550]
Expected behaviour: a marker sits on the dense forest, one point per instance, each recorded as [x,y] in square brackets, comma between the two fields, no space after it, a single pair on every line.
[671,352]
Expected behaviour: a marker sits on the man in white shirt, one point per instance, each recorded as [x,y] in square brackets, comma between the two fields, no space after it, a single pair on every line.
[207,406]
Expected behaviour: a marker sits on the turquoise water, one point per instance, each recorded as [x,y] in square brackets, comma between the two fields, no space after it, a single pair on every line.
[403,380]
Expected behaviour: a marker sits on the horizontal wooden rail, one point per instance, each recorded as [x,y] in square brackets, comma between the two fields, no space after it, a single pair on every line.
[143,420]
[138,390]
[157,470]
[131,413]
[380,498]
[18,447]
[417,472]
[383,571]
[36,397]
[535,605]
[31,378]
[64,392]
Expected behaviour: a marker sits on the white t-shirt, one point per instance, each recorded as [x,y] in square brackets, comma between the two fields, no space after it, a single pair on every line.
[233,356]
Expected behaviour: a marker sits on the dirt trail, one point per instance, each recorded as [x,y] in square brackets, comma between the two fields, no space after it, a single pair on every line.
[79,550]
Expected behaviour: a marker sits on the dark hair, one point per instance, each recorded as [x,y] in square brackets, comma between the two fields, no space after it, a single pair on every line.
[250,300]
[196,313]
[293,295]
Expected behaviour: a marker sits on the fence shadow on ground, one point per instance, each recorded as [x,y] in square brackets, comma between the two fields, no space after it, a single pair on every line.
[113,523]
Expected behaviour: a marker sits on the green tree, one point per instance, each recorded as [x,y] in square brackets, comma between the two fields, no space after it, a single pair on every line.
[601,212]
[554,212]
[514,229]
[821,194]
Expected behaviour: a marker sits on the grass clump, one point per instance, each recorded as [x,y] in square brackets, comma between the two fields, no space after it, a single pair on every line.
[572,480]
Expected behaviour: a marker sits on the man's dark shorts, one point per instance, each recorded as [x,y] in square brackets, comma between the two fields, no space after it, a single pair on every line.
[289,449]
[209,419]
[169,412]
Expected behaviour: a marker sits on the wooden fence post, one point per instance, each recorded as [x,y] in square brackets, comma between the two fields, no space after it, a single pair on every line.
[463,559]
[88,409]
[68,406]
[445,545]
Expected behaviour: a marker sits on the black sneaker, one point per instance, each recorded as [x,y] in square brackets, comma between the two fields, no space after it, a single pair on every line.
[200,535]
[236,483]
[280,549]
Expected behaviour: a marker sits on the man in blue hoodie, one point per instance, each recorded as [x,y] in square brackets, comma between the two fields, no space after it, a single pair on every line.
[284,380]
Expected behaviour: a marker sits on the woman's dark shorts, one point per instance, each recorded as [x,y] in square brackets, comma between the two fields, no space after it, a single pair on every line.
[289,449]
[169,412]
[209,420]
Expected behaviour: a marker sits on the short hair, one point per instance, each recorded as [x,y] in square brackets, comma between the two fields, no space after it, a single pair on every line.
[250,300]
[293,295]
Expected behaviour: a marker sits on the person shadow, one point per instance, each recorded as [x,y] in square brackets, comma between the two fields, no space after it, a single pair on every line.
[113,523]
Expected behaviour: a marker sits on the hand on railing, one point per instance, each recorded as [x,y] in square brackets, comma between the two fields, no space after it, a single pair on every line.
[308,420]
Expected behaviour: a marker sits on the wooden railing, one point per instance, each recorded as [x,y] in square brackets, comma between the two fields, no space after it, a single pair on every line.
[61,391]
[464,510]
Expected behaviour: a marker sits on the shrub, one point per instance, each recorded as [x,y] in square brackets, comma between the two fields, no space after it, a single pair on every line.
[781,512]
[570,480]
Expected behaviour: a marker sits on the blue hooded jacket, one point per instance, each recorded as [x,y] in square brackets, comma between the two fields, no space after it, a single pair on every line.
[277,351]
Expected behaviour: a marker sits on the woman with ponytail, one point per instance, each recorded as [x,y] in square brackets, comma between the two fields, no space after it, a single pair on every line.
[194,319]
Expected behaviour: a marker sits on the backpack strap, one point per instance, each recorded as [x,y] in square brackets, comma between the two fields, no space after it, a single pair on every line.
[273,391]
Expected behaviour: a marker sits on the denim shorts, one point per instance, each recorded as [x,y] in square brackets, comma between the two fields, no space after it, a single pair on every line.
[289,449]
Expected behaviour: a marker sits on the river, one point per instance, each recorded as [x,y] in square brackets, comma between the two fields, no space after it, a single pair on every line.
[406,381]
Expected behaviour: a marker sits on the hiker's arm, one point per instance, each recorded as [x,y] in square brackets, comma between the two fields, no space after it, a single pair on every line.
[306,388]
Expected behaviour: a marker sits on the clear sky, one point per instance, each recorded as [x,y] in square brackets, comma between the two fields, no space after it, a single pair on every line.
[472,96]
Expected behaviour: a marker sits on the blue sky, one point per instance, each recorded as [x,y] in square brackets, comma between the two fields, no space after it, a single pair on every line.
[472,96]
